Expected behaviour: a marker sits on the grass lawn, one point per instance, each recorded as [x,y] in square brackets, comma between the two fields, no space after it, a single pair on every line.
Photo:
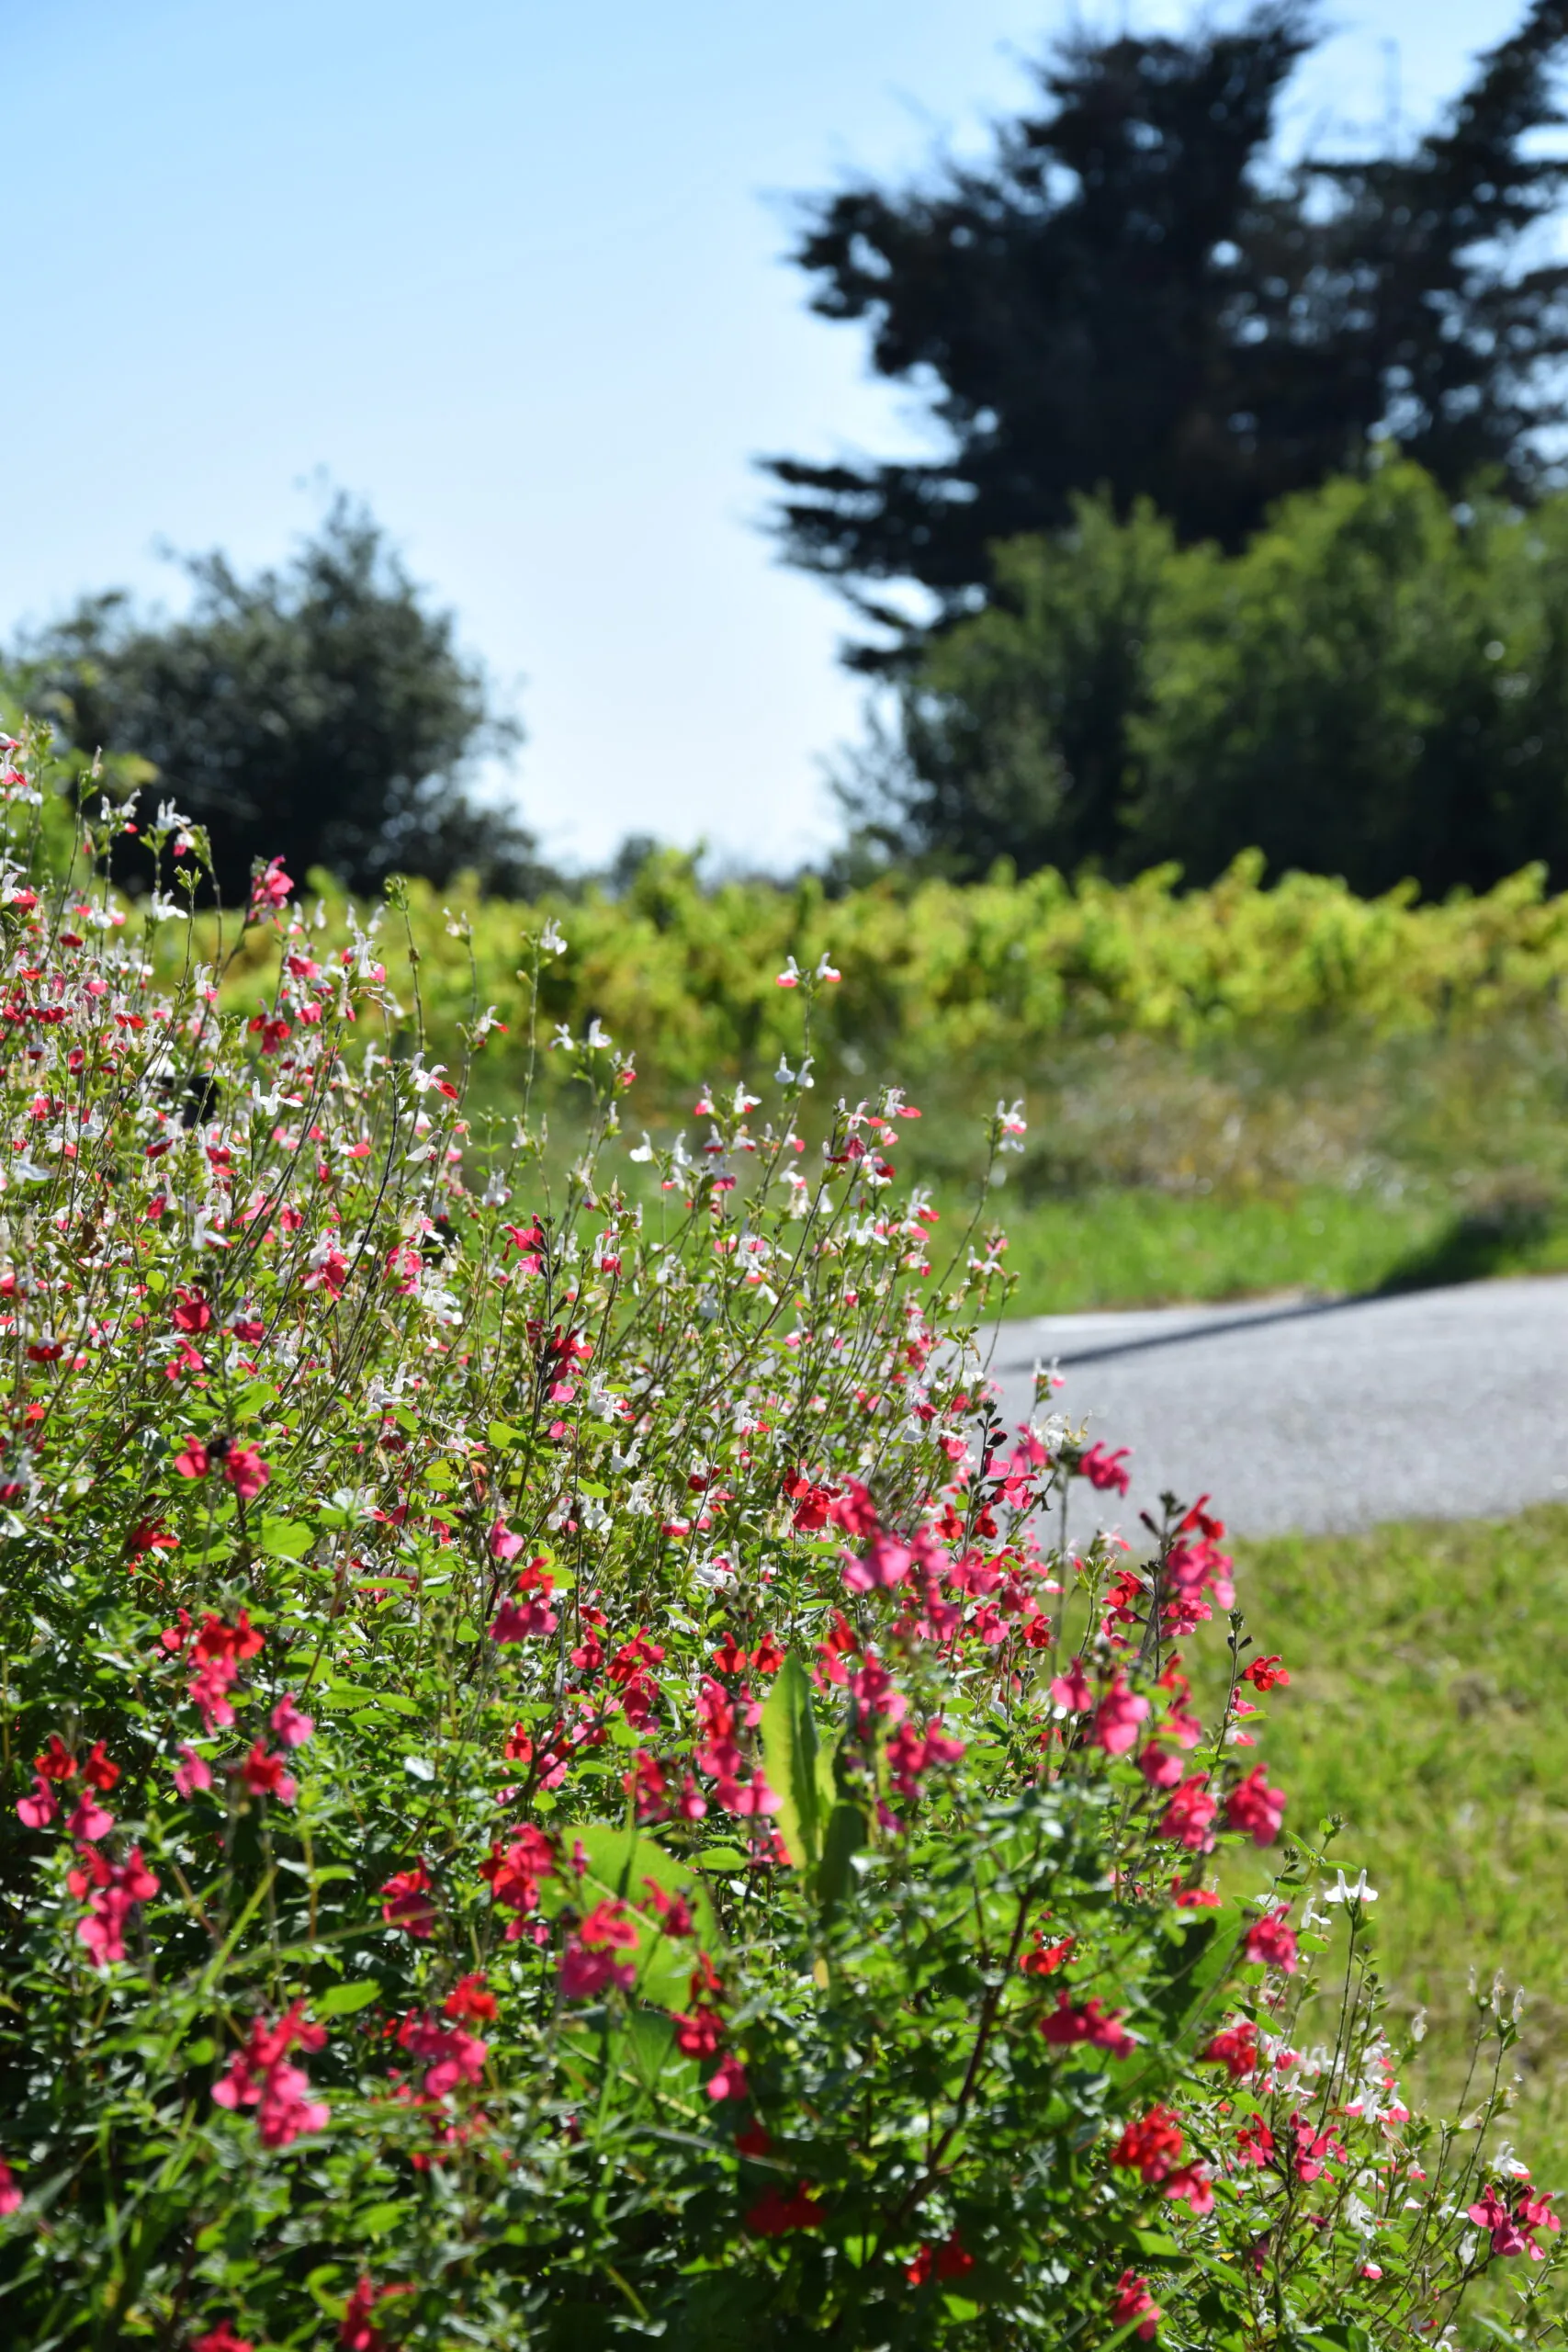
[1430,1709]
[1138,1247]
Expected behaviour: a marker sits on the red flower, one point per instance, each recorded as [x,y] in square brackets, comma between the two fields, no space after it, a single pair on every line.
[1045,1959]
[948,2260]
[1272,1941]
[1072,1689]
[514,1873]
[470,2002]
[192,1312]
[221,2338]
[698,2032]
[1133,2301]
[774,2214]
[516,1620]
[1104,1470]
[1264,1672]
[1254,1808]
[406,1902]
[359,2332]
[268,1776]
[1313,2149]
[292,1727]
[1235,2048]
[1151,2146]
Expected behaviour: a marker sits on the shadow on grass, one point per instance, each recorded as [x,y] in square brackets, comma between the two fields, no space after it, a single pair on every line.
[1508,1236]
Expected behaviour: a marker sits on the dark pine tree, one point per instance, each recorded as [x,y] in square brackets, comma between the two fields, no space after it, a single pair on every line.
[1132,295]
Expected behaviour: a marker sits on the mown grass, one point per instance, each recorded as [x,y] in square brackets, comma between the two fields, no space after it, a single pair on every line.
[1144,1248]
[1428,1709]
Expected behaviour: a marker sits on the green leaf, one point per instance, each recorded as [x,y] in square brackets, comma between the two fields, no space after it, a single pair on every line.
[287,1539]
[342,2000]
[797,1767]
[846,1834]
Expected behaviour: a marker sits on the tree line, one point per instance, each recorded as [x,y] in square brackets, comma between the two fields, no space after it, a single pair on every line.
[1247,527]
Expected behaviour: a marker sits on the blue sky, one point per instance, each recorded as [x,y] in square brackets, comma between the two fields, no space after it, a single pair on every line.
[509,270]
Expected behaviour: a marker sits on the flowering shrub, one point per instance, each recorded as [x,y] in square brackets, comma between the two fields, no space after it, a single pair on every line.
[558,1790]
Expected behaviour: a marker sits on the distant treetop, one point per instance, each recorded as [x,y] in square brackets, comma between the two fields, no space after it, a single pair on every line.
[1132,294]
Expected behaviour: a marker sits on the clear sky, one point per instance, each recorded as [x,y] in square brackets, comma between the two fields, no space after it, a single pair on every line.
[511,270]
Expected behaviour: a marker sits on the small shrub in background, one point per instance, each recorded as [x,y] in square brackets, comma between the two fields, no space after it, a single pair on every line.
[557,1790]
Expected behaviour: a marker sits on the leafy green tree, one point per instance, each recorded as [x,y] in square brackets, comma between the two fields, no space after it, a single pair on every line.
[319,712]
[1376,687]
[1130,295]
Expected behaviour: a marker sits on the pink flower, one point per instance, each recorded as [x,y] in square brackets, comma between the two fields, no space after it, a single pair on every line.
[292,1728]
[1194,2186]
[1188,1815]
[729,2082]
[1313,2149]
[193,1461]
[38,1810]
[246,1471]
[1254,1808]
[112,1890]
[589,1966]
[1159,1768]
[272,888]
[504,1544]
[1117,1717]
[1512,2230]
[1133,2301]
[89,1819]
[193,1773]
[454,2056]
[530,1614]
[259,2075]
[221,2338]
[1071,2022]
[885,1563]
[1072,1690]
[1271,1941]
[10,2195]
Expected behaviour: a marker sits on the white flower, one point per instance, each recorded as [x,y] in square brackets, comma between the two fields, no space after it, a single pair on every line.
[598,1035]
[1358,1892]
[551,941]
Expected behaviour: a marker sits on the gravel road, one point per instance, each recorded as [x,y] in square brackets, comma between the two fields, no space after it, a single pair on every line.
[1317,1416]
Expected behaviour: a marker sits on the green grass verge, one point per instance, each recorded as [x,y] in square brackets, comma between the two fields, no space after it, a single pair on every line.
[1428,1710]
[1138,1247]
